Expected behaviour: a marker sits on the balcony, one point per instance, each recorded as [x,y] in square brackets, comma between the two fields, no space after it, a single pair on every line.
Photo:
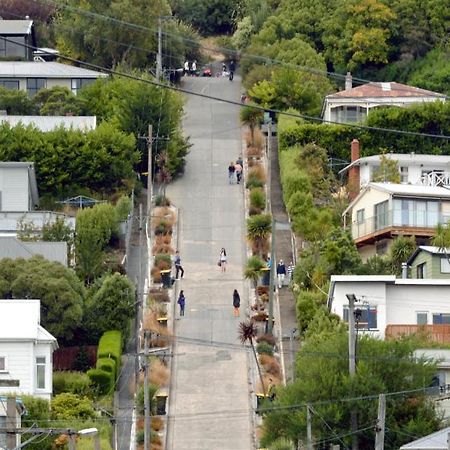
[435,179]
[397,221]
[435,333]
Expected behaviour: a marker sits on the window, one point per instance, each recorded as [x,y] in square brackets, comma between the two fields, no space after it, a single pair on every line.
[13,47]
[421,270]
[40,372]
[35,84]
[415,213]
[10,84]
[403,174]
[360,216]
[422,318]
[368,319]
[381,248]
[3,366]
[381,215]
[79,83]
[445,265]
[439,319]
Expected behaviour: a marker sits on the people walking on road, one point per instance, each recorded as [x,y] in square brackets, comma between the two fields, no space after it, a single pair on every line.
[281,273]
[290,271]
[178,266]
[236,303]
[224,70]
[194,68]
[182,302]
[238,171]
[223,260]
[232,68]
[231,171]
[186,68]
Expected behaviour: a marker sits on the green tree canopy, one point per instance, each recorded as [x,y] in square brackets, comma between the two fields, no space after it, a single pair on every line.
[57,287]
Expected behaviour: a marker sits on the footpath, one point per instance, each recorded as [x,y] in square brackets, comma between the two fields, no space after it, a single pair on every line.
[210,403]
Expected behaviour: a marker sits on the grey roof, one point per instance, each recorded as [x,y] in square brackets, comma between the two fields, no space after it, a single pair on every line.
[31,176]
[415,190]
[429,249]
[401,158]
[48,123]
[36,69]
[11,247]
[435,441]
[15,26]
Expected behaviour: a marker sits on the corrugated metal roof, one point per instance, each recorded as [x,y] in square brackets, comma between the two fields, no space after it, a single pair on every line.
[391,89]
[15,27]
[11,247]
[412,189]
[435,441]
[37,69]
[48,123]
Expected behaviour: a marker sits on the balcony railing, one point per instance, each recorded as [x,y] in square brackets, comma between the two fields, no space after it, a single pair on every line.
[436,179]
[398,218]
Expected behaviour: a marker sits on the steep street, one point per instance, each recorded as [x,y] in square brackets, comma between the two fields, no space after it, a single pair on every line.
[210,401]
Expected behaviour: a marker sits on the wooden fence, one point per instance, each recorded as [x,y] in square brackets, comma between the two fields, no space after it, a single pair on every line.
[435,333]
[66,358]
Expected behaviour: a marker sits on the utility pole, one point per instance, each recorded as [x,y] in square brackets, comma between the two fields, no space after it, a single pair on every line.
[273,238]
[11,422]
[72,442]
[309,445]
[149,169]
[159,55]
[291,348]
[352,363]
[146,396]
[379,429]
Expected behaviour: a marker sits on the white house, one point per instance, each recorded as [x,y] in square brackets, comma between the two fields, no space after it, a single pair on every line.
[26,350]
[31,76]
[19,197]
[353,104]
[385,300]
[49,123]
[435,441]
[413,168]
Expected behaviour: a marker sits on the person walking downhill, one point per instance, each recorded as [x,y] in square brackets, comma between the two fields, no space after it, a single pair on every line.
[178,266]
[194,68]
[238,170]
[223,259]
[182,302]
[232,68]
[290,271]
[231,170]
[236,303]
[186,68]
[281,273]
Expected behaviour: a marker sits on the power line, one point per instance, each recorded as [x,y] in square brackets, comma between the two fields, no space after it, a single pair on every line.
[225,50]
[235,103]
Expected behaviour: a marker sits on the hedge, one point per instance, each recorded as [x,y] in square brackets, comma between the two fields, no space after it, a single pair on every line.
[102,379]
[107,365]
[110,346]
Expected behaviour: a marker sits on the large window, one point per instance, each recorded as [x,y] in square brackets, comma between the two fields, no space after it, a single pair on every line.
[40,372]
[14,47]
[415,213]
[439,319]
[79,83]
[348,114]
[381,215]
[368,318]
[10,84]
[35,84]
[445,265]
[3,366]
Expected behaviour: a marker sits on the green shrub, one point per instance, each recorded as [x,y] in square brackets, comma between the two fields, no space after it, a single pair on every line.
[70,406]
[101,379]
[152,389]
[110,346]
[140,437]
[257,198]
[259,226]
[254,182]
[163,258]
[74,382]
[108,365]
[163,228]
[264,348]
[162,200]
[123,208]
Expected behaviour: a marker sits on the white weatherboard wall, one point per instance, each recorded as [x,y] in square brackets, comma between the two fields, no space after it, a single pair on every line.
[397,300]
[14,190]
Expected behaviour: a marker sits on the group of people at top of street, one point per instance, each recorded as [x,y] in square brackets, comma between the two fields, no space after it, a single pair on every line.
[190,68]
[235,171]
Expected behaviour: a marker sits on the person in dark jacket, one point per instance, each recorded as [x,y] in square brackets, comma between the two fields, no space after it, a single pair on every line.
[232,69]
[281,273]
[182,302]
[236,302]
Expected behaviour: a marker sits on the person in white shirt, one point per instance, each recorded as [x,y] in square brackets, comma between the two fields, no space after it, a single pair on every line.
[186,68]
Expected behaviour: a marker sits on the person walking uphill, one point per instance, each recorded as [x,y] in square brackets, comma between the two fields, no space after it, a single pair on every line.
[232,69]
[236,302]
[178,266]
[281,273]
[231,170]
[223,260]
[182,302]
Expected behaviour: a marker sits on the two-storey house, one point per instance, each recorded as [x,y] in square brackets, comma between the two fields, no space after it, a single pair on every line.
[26,350]
[353,104]
[17,39]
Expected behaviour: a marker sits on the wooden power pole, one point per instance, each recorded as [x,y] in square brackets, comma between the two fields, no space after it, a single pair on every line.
[147,430]
[381,419]
[149,170]
[309,445]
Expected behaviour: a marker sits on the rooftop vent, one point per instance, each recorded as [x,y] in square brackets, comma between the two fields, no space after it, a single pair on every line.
[386,86]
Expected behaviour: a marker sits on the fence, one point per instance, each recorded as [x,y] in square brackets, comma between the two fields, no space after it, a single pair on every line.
[65,358]
[435,333]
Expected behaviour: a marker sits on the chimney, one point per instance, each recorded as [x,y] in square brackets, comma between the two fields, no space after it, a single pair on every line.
[353,174]
[348,81]
[404,270]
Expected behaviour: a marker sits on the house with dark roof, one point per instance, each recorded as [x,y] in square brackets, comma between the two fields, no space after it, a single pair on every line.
[15,35]
[353,104]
